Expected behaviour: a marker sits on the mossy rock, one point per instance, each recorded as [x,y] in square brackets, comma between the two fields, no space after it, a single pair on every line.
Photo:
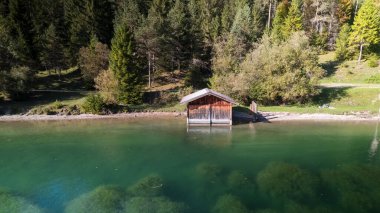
[152,185]
[154,205]
[288,182]
[229,204]
[104,199]
[11,203]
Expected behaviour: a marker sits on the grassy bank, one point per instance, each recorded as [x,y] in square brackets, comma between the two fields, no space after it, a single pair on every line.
[337,101]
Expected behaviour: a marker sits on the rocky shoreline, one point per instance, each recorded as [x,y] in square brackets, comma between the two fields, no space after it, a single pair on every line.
[264,116]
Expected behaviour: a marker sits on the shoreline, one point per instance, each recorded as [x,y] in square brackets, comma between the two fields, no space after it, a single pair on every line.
[263,117]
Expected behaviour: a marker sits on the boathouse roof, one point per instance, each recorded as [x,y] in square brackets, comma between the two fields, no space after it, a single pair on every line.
[203,93]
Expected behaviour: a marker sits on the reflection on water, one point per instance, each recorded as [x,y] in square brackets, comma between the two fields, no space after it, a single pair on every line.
[210,135]
[374,143]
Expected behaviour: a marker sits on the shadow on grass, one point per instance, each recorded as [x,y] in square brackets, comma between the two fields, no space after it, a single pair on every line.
[329,95]
[331,67]
[37,99]
[66,81]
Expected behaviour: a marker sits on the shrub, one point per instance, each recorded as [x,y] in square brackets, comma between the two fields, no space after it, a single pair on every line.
[16,83]
[107,85]
[93,59]
[93,104]
[373,61]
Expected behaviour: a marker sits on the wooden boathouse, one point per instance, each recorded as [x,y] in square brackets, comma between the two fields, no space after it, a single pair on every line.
[208,107]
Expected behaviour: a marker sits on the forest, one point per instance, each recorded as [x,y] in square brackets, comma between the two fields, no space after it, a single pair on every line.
[263,50]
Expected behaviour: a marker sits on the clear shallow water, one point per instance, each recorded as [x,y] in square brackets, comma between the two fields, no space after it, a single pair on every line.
[79,166]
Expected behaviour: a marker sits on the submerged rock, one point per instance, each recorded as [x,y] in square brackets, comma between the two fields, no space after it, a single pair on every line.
[104,199]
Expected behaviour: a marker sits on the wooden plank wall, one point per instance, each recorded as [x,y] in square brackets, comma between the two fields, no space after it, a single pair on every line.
[210,107]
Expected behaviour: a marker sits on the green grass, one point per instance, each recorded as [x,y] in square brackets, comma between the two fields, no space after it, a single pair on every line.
[342,101]
[70,79]
[348,71]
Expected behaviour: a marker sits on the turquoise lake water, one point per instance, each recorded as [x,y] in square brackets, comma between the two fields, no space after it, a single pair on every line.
[160,165]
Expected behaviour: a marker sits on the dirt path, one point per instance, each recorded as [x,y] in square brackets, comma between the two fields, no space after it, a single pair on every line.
[352,85]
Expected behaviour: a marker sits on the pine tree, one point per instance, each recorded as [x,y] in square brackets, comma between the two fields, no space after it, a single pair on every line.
[278,21]
[123,64]
[52,55]
[179,37]
[258,22]
[293,21]
[366,27]
[242,25]
[341,48]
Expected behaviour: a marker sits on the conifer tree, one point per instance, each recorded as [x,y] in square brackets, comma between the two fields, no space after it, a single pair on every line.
[179,36]
[366,27]
[278,21]
[123,63]
[341,48]
[51,55]
[293,21]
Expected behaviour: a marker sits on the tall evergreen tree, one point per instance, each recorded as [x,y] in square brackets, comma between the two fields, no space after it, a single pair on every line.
[123,64]
[341,48]
[293,21]
[179,23]
[366,27]
[242,25]
[52,53]
[278,21]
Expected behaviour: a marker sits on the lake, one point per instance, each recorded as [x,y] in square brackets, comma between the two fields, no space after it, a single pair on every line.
[160,165]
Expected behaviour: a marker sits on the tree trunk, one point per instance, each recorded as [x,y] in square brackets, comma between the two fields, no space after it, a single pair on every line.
[361,52]
[150,83]
[356,7]
[269,14]
[153,70]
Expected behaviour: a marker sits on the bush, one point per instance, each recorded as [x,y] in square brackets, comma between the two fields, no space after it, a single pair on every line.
[274,73]
[16,83]
[373,61]
[92,60]
[94,104]
[107,85]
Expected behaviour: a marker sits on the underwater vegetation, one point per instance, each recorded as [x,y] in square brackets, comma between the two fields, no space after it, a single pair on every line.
[104,199]
[229,204]
[287,182]
[11,203]
[355,187]
[154,205]
[209,171]
[151,185]
[145,196]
